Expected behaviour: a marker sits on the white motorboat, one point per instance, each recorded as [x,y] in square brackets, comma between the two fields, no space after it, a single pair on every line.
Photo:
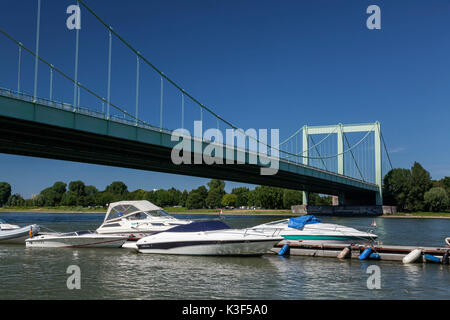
[11,233]
[77,239]
[137,219]
[211,238]
[309,229]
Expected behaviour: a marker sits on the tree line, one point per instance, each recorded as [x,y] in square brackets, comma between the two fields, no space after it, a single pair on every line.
[76,193]
[413,190]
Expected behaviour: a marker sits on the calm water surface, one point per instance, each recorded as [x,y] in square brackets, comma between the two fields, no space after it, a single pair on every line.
[40,273]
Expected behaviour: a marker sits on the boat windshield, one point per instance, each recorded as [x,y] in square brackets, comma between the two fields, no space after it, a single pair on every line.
[120,211]
[75,233]
[278,222]
[2,221]
[159,213]
[134,210]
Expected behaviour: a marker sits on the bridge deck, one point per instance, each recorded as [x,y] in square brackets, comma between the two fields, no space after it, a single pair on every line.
[53,130]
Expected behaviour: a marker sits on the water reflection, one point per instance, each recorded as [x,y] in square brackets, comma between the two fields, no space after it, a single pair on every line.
[40,273]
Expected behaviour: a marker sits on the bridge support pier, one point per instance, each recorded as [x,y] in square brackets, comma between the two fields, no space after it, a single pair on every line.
[305,198]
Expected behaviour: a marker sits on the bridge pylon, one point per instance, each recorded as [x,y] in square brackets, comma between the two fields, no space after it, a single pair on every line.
[340,131]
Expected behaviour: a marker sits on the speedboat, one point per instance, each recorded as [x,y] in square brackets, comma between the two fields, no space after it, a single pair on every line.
[309,229]
[77,239]
[137,219]
[211,238]
[11,233]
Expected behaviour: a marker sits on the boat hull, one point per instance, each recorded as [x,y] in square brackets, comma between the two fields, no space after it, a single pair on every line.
[210,247]
[314,239]
[75,242]
[18,236]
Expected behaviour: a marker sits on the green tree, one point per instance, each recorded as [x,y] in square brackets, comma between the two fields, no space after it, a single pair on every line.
[215,193]
[253,199]
[444,183]
[242,194]
[184,197]
[138,194]
[291,198]
[104,198]
[436,199]
[78,188]
[217,185]
[269,197]
[117,188]
[229,200]
[38,201]
[15,200]
[396,187]
[59,187]
[420,183]
[53,195]
[174,197]
[195,200]
[5,192]
[202,191]
[69,199]
[163,198]
[91,196]
[214,198]
[151,196]
[90,190]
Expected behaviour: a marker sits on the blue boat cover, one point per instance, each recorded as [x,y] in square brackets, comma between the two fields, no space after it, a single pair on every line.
[299,222]
[200,226]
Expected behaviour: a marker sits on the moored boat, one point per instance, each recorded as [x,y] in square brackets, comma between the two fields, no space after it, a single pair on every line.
[137,219]
[77,239]
[212,238]
[309,229]
[10,233]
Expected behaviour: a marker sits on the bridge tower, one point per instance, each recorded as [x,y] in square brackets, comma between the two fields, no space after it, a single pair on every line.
[340,131]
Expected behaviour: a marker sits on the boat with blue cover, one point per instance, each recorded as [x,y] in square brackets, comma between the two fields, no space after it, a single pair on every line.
[310,229]
[212,238]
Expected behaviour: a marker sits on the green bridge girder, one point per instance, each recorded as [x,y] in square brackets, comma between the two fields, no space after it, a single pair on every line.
[58,132]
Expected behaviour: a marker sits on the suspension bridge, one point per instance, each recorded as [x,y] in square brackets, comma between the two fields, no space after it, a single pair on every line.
[347,161]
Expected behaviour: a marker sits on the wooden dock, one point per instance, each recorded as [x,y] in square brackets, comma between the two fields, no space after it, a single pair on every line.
[386,252]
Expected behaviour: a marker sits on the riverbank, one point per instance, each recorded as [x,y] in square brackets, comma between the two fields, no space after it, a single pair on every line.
[171,210]
[184,211]
[421,215]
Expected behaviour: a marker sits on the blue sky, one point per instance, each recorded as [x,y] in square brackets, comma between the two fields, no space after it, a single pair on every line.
[259,64]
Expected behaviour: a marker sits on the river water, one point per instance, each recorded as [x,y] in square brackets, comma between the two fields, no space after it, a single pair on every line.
[41,273]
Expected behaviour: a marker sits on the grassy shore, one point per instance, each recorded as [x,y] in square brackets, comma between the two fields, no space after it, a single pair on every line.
[442,215]
[53,209]
[180,210]
[171,210]
[271,212]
